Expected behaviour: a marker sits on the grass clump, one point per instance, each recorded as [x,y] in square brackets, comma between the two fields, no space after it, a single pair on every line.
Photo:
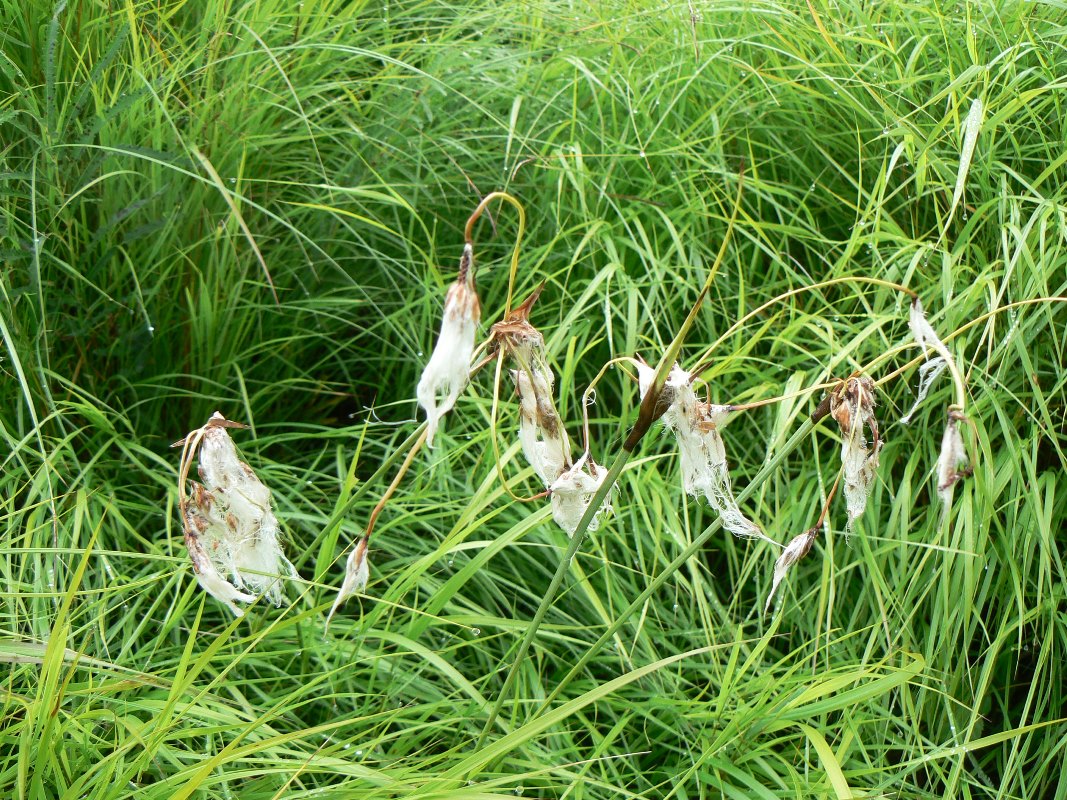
[244,208]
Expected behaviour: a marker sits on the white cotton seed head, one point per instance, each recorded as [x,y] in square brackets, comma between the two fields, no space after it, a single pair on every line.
[357,573]
[917,324]
[447,372]
[204,568]
[923,333]
[230,523]
[793,552]
[929,371]
[859,465]
[548,455]
[952,463]
[572,493]
[645,376]
[677,378]
[702,453]
[259,561]
[541,433]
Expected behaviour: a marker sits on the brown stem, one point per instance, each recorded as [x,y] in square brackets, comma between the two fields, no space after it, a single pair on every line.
[392,486]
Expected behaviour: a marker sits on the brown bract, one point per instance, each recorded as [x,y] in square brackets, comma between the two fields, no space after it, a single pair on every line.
[514,333]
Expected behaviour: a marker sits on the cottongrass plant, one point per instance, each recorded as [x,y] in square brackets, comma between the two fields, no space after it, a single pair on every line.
[572,486]
[852,406]
[230,528]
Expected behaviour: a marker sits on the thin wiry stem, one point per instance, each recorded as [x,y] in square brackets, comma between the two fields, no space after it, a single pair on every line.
[589,390]
[468,231]
[704,362]
[373,518]
[771,400]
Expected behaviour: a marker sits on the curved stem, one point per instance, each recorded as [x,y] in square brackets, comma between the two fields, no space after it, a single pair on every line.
[703,364]
[592,385]
[468,231]
[338,515]
[829,499]
[770,400]
[970,324]
[957,378]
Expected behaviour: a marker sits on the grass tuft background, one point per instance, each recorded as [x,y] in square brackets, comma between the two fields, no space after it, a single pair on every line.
[256,208]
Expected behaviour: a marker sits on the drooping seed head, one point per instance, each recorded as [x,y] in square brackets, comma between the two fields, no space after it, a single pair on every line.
[357,573]
[572,493]
[852,405]
[541,432]
[794,552]
[952,462]
[448,370]
[697,427]
[230,527]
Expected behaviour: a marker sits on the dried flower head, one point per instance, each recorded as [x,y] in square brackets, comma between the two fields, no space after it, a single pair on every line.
[448,370]
[697,428]
[544,440]
[852,406]
[573,491]
[357,573]
[515,336]
[952,463]
[794,551]
[541,431]
[229,525]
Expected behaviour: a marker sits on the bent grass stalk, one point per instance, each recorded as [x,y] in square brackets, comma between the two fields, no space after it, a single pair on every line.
[364,541]
[468,231]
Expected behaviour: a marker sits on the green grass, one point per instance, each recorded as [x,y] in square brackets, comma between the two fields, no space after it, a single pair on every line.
[163,165]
